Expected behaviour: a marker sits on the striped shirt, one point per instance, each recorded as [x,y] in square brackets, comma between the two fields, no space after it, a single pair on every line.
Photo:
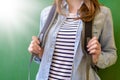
[61,66]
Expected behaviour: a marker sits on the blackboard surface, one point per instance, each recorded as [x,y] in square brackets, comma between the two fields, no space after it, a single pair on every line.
[15,36]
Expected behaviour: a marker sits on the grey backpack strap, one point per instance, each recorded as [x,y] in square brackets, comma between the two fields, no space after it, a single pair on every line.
[52,15]
[49,21]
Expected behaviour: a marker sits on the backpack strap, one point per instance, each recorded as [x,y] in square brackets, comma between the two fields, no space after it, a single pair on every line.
[50,19]
[88,36]
[42,35]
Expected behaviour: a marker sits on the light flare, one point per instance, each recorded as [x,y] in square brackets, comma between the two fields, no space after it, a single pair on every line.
[8,10]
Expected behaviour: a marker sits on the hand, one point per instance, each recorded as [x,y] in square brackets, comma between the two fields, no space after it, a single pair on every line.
[94,49]
[34,47]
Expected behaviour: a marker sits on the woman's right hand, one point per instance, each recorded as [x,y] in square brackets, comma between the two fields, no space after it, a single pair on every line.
[34,47]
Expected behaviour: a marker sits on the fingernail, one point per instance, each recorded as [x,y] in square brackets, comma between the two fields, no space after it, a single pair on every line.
[87,46]
[88,50]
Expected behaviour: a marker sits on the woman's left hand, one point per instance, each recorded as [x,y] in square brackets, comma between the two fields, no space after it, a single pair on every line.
[94,49]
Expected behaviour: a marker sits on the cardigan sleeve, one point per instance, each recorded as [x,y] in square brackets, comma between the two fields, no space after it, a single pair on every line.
[108,54]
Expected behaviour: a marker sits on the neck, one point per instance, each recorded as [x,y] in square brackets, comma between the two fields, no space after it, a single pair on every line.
[74,5]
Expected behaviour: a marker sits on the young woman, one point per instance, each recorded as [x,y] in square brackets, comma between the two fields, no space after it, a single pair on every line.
[63,56]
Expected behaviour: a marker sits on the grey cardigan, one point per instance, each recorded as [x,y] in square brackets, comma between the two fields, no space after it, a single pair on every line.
[102,29]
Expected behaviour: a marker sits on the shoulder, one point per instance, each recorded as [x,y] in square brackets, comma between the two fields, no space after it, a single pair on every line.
[102,17]
[44,14]
[105,10]
[103,14]
[46,11]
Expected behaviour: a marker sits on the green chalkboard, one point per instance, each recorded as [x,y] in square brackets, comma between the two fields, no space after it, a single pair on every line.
[17,28]
[112,73]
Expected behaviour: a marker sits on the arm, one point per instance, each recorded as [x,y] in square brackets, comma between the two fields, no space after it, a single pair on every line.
[43,17]
[108,54]
[104,51]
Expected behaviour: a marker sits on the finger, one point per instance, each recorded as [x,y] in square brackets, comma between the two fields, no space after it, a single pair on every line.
[94,51]
[34,50]
[34,47]
[34,43]
[37,51]
[34,38]
[95,46]
[93,42]
[31,50]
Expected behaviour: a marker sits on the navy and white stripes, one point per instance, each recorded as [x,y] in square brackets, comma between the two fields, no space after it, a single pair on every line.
[62,61]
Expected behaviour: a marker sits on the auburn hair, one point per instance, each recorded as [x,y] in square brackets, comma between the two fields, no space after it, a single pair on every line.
[87,10]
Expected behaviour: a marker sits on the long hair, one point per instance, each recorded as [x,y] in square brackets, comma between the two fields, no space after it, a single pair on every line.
[87,10]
